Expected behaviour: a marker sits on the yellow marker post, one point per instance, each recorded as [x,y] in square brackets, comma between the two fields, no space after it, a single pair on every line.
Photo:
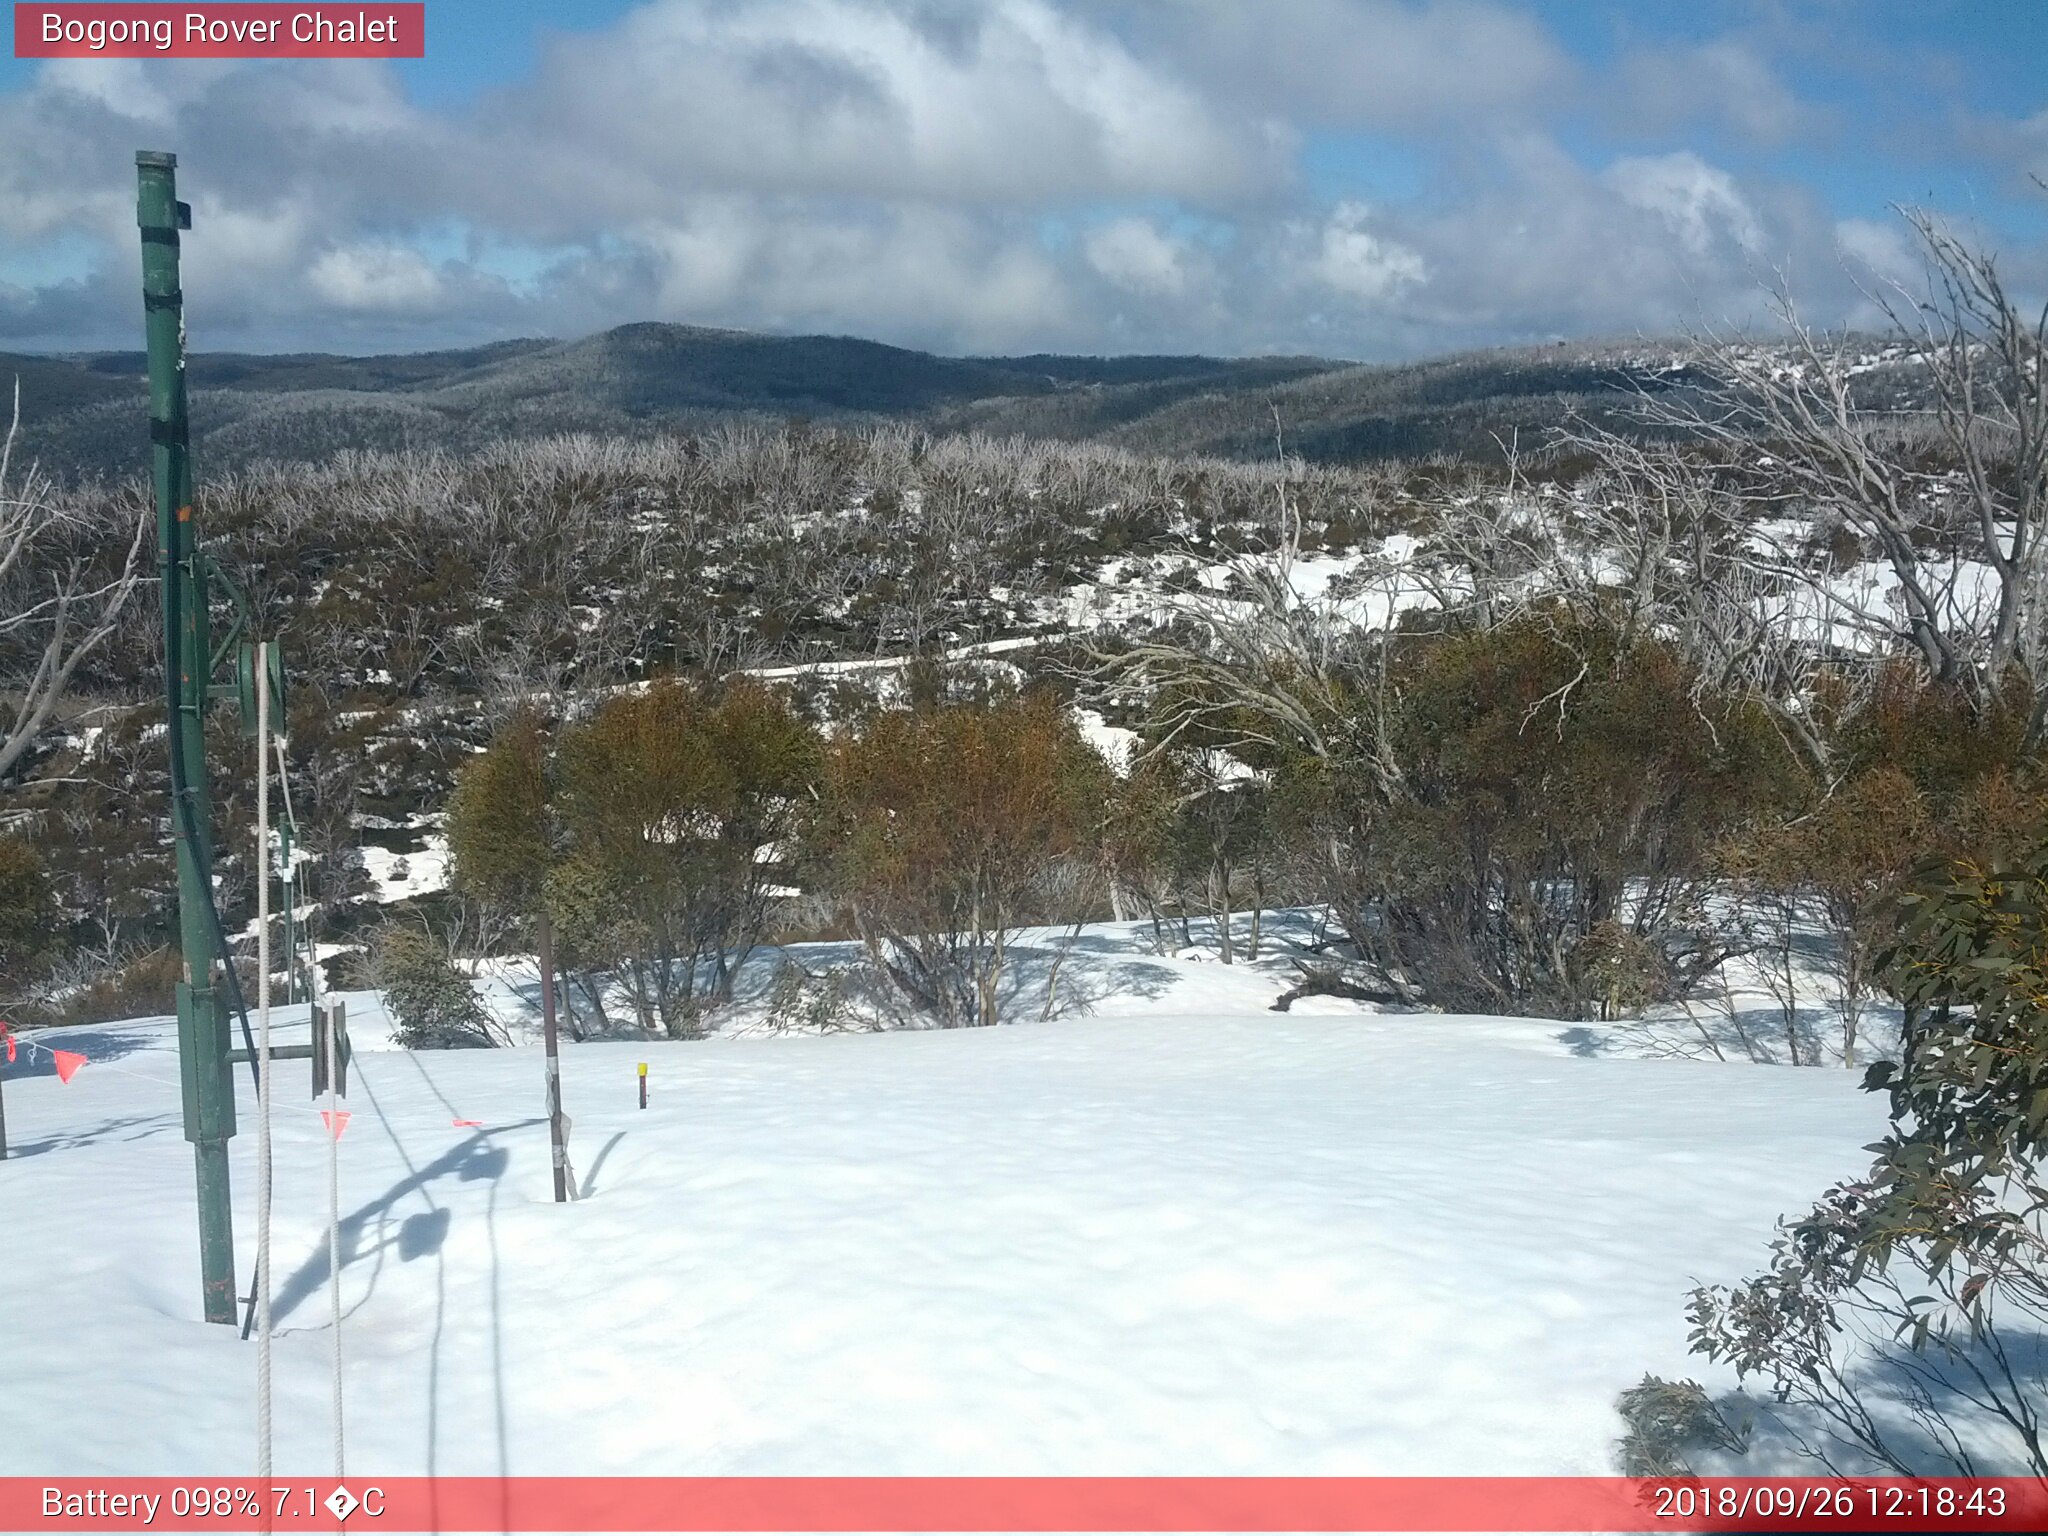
[643,1085]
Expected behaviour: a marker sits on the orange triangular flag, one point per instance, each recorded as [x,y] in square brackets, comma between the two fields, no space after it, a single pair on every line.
[460,1123]
[68,1062]
[336,1121]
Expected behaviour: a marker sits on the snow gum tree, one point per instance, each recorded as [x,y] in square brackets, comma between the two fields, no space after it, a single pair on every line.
[432,1003]
[502,827]
[1920,770]
[29,916]
[949,828]
[1558,777]
[500,820]
[683,808]
[1899,1323]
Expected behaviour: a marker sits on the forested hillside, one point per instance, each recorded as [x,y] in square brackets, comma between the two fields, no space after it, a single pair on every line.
[82,414]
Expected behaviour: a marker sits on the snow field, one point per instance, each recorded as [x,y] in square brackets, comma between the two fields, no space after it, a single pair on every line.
[1184,1235]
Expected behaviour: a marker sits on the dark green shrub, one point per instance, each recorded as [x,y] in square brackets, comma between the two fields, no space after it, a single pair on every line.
[432,1004]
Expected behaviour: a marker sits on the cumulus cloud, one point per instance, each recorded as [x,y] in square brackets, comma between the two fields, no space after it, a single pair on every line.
[1699,202]
[376,279]
[1136,255]
[1357,264]
[1012,101]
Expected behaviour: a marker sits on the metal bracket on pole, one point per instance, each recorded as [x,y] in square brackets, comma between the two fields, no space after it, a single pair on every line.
[331,1018]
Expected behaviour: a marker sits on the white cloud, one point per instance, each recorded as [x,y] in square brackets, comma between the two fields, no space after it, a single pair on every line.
[929,275]
[1352,261]
[1699,201]
[1014,101]
[375,278]
[141,89]
[1137,256]
[1883,249]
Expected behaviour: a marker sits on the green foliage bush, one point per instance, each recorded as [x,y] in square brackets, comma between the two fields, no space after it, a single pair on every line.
[1902,1316]
[29,916]
[134,986]
[945,830]
[1536,809]
[433,1006]
[652,835]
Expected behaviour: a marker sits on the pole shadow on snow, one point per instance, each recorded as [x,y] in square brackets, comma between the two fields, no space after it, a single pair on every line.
[589,1186]
[422,1235]
[137,1127]
[488,1163]
[469,1160]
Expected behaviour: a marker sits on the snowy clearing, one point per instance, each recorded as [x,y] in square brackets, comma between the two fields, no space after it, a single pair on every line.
[1182,1235]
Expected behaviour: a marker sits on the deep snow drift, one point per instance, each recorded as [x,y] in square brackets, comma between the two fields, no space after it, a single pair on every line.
[1178,1234]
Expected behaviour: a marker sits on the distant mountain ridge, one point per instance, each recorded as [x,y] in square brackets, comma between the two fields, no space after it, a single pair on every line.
[83,413]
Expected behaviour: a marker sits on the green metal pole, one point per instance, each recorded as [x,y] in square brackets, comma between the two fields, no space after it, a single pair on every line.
[202,1021]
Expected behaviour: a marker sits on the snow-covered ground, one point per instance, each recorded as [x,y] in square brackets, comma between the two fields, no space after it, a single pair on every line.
[1174,1233]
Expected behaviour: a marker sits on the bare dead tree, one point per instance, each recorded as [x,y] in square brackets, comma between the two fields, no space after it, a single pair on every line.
[57,604]
[1950,494]
[1661,546]
[1244,658]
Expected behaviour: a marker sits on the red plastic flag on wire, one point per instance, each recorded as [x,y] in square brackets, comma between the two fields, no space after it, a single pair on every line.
[336,1121]
[67,1062]
[7,1034]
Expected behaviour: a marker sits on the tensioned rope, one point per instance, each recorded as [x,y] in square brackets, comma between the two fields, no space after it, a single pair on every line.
[329,1047]
[267,1073]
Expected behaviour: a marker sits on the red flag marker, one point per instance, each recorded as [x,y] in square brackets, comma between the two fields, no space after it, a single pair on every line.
[336,1121]
[7,1034]
[67,1062]
[460,1123]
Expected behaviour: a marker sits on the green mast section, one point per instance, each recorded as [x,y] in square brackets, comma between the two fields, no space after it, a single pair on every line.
[188,664]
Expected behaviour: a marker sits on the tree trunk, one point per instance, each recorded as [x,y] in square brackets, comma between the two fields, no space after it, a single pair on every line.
[595,993]
[1052,979]
[569,1007]
[1219,905]
[643,1005]
[991,978]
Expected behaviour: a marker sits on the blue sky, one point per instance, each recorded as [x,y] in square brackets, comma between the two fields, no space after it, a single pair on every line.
[1365,178]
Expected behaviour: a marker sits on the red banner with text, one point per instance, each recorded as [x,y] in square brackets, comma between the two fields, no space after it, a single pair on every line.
[237,31]
[987,1504]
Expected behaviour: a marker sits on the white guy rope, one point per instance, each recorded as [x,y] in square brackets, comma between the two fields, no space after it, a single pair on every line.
[333,1230]
[331,1047]
[264,1063]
